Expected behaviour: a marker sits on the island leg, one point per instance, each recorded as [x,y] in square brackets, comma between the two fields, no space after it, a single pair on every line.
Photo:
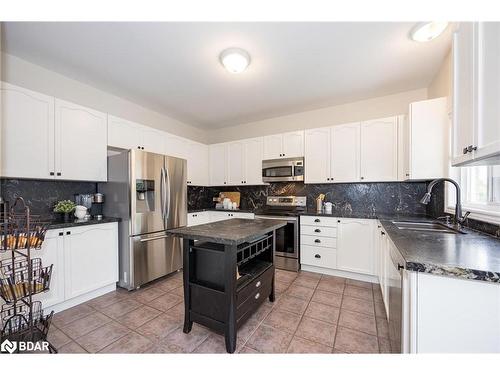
[272,296]
[188,324]
[230,289]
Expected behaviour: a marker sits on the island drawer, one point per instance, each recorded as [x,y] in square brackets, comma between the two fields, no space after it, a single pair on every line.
[311,230]
[318,241]
[318,256]
[255,285]
[248,307]
[320,221]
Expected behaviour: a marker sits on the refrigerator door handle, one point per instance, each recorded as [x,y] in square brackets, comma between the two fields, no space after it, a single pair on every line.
[162,193]
[167,195]
[153,238]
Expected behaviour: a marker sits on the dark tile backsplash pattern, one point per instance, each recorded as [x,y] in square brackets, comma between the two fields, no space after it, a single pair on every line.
[42,195]
[372,198]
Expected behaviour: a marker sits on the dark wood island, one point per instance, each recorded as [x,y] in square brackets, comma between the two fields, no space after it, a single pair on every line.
[228,269]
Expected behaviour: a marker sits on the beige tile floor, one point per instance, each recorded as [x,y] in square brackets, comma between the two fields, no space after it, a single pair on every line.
[312,314]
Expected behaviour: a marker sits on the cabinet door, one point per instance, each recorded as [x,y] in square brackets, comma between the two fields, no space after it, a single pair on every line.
[487,132]
[176,146]
[235,163]
[218,164]
[52,252]
[293,144]
[345,153]
[463,92]
[28,133]
[355,250]
[90,258]
[123,133]
[197,164]
[317,155]
[273,146]
[153,140]
[81,142]
[254,150]
[379,150]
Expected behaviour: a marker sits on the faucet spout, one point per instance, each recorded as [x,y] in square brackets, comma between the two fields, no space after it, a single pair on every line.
[458,206]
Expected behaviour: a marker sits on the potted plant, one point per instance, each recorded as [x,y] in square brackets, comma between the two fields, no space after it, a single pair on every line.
[64,210]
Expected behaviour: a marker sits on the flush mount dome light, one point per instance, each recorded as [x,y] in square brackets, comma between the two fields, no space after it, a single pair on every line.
[235,60]
[426,31]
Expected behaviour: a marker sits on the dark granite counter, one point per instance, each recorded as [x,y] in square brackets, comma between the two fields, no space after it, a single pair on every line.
[228,232]
[219,209]
[364,215]
[78,223]
[472,255]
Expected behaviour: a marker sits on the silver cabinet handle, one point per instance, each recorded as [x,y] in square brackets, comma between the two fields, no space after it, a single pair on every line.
[167,195]
[162,193]
[257,284]
[257,296]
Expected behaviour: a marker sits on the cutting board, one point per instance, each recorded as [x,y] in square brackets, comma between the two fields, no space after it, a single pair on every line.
[233,195]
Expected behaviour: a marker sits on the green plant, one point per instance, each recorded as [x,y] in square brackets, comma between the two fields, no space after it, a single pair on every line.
[65,207]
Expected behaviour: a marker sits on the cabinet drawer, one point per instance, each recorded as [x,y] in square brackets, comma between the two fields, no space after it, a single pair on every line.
[310,230]
[319,221]
[255,285]
[318,241]
[250,305]
[318,256]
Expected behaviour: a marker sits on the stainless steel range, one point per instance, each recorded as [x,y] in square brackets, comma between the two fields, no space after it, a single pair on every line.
[287,238]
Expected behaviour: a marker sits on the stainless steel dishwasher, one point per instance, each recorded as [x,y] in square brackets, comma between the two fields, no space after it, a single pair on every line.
[395,283]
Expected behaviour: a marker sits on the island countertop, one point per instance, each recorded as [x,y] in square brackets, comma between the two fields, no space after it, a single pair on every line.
[228,232]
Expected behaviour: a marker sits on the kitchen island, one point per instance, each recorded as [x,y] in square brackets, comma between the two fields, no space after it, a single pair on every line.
[228,272]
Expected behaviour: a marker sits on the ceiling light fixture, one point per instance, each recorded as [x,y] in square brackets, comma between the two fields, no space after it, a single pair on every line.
[235,60]
[426,31]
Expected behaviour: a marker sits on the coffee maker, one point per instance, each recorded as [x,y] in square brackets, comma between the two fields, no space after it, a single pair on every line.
[97,206]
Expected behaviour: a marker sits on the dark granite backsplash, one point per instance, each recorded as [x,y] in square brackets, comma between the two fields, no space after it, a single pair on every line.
[398,197]
[42,195]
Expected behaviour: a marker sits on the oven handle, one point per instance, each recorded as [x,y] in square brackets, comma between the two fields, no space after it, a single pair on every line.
[285,218]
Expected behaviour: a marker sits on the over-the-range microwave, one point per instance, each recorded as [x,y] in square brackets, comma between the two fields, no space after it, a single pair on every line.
[282,170]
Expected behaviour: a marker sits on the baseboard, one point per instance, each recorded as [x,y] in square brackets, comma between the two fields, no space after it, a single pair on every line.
[346,274]
[81,299]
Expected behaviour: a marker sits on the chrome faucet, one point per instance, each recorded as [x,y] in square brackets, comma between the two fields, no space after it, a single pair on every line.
[459,219]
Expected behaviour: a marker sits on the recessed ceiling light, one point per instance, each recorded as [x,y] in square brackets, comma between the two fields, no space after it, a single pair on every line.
[426,31]
[235,60]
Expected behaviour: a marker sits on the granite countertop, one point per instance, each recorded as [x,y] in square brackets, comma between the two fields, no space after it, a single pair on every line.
[219,209]
[472,255]
[228,232]
[76,223]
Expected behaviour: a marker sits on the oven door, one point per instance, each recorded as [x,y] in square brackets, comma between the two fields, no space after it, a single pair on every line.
[287,237]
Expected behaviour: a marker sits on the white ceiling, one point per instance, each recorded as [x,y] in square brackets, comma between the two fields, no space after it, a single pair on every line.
[173,67]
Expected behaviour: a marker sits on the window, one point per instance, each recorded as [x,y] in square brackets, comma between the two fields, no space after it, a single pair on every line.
[480,191]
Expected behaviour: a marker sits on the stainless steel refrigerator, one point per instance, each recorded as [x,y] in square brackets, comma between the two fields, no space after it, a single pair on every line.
[149,193]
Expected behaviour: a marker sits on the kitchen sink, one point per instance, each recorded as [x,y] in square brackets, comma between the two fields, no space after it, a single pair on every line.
[426,226]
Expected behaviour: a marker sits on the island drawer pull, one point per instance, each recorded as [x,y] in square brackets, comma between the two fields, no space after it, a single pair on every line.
[257,296]
[257,284]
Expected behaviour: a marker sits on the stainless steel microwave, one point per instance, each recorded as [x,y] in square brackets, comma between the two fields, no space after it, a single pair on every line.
[278,170]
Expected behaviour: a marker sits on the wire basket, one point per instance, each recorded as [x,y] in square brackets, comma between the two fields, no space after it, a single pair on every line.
[21,231]
[15,322]
[18,280]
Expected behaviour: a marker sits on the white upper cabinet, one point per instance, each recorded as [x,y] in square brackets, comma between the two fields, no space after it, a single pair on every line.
[425,140]
[476,93]
[153,140]
[379,150]
[176,146]
[123,133]
[218,164]
[197,164]
[254,151]
[81,142]
[355,246]
[345,153]
[235,163]
[487,129]
[285,145]
[317,155]
[28,133]
[463,95]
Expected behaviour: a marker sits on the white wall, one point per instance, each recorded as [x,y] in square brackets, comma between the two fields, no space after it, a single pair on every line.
[379,107]
[25,74]
[441,84]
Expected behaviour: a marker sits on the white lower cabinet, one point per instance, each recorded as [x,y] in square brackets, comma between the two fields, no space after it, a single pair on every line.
[211,216]
[337,246]
[198,218]
[85,264]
